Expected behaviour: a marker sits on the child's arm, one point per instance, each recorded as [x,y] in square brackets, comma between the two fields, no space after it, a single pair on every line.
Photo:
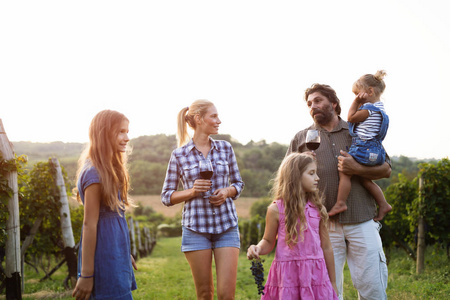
[328,253]
[270,234]
[355,115]
[84,286]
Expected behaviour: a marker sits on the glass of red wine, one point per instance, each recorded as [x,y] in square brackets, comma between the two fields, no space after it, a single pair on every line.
[313,139]
[206,172]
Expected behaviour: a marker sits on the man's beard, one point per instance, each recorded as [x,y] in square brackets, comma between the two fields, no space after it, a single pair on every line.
[323,117]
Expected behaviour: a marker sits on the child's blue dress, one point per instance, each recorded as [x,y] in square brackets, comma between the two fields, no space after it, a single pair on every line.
[113,271]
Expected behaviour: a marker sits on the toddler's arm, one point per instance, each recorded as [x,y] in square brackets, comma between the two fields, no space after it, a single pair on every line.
[355,115]
[270,234]
[328,253]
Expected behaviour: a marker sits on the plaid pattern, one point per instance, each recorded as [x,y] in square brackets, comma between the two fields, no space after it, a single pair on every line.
[361,206]
[198,214]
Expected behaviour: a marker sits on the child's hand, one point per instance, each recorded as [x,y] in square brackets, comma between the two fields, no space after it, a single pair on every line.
[335,288]
[133,262]
[253,252]
[361,97]
[83,288]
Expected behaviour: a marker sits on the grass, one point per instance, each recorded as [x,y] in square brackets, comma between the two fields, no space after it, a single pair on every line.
[166,275]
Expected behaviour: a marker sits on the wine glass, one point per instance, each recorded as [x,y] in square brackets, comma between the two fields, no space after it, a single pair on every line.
[206,172]
[312,139]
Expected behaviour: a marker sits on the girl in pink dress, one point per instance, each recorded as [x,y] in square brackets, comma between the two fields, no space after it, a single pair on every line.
[303,267]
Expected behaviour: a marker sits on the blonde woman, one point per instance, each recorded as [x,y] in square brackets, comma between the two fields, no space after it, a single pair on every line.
[209,219]
[105,264]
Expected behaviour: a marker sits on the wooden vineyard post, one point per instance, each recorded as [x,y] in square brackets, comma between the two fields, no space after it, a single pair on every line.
[140,248]
[132,238]
[420,265]
[13,257]
[66,224]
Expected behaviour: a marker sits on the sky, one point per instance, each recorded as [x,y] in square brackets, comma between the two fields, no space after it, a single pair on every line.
[61,62]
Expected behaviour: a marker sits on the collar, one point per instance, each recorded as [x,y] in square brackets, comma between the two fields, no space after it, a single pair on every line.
[190,145]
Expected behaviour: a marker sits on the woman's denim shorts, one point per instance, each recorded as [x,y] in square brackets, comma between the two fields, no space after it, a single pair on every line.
[194,241]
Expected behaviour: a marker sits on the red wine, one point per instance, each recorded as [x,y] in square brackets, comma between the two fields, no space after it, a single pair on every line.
[312,145]
[206,174]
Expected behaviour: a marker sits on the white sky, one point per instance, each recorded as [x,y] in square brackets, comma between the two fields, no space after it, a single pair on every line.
[63,61]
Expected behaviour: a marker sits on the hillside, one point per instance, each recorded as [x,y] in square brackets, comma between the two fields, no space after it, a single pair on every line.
[257,161]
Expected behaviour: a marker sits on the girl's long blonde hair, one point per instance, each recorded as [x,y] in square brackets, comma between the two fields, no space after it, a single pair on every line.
[111,164]
[288,187]
[186,117]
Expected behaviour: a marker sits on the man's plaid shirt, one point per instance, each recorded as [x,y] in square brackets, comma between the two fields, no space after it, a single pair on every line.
[198,214]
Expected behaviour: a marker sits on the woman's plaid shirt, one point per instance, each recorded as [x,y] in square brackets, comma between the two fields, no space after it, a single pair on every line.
[198,214]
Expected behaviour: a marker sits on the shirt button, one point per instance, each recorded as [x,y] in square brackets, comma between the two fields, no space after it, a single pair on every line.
[334,144]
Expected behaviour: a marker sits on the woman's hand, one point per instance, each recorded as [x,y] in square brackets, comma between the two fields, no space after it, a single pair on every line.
[83,288]
[253,252]
[201,186]
[219,197]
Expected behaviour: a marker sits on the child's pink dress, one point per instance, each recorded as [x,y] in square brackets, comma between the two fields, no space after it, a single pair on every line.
[300,272]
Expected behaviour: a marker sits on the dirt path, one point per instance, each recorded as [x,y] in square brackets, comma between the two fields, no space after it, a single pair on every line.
[242,205]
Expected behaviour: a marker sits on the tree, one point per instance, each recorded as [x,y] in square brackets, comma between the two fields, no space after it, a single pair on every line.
[435,207]
[432,205]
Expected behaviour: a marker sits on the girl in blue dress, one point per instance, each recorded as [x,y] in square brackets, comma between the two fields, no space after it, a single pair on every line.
[105,264]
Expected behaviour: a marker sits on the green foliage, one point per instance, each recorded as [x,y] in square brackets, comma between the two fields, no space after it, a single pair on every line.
[77,218]
[256,183]
[251,231]
[169,230]
[41,200]
[434,201]
[258,163]
[155,149]
[401,196]
[149,215]
[6,167]
[260,207]
[147,177]
[407,167]
[433,205]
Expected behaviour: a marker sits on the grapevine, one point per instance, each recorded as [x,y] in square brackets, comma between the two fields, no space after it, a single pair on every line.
[258,273]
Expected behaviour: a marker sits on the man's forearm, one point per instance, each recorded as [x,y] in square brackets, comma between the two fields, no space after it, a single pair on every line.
[348,165]
[375,172]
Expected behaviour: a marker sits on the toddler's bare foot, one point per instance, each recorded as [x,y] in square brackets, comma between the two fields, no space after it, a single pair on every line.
[382,211]
[337,208]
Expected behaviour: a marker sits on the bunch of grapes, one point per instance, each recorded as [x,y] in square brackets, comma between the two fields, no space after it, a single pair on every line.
[258,273]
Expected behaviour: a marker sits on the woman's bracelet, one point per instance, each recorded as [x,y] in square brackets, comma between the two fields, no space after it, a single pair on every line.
[81,276]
